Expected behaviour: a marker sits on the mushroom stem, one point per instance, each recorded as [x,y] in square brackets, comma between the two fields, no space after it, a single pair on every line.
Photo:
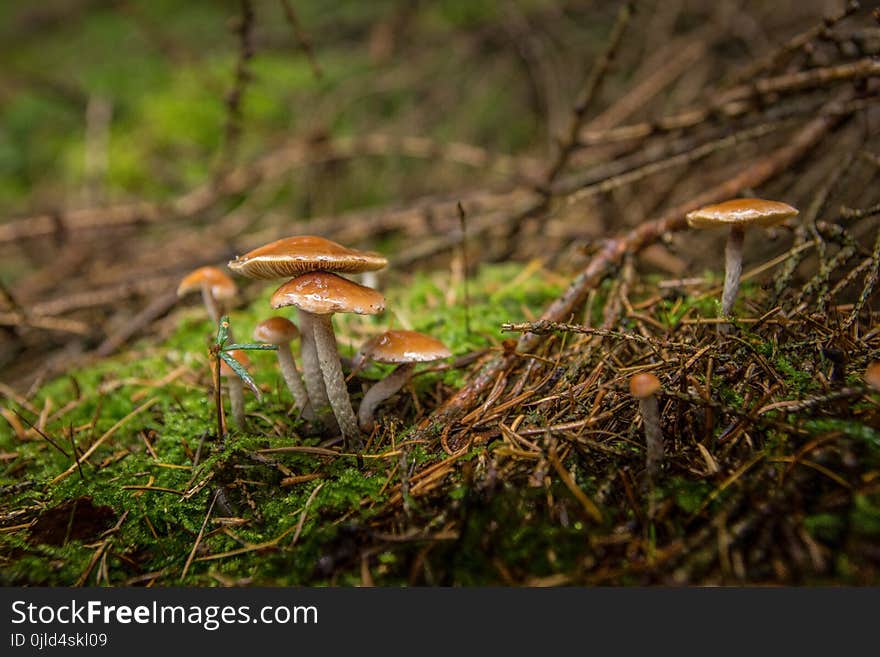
[314,379]
[210,302]
[236,400]
[732,272]
[294,382]
[334,381]
[650,411]
[380,392]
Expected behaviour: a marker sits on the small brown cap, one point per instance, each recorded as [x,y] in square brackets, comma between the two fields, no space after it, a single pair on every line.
[644,385]
[292,256]
[742,212]
[872,375]
[402,347]
[276,330]
[238,355]
[322,293]
[222,287]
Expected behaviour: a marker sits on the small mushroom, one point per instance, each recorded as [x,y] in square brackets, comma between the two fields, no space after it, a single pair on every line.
[738,215]
[292,256]
[213,284]
[872,375]
[236,386]
[280,332]
[402,348]
[318,295]
[644,387]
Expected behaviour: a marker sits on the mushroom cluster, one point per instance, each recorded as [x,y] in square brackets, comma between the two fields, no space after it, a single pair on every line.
[316,287]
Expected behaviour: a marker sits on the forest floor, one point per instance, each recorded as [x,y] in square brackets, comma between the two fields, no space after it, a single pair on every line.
[555,269]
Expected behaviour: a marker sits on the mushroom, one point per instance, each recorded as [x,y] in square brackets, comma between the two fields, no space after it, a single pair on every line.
[644,387]
[292,256]
[402,348]
[872,375]
[738,214]
[318,295]
[280,331]
[214,286]
[236,386]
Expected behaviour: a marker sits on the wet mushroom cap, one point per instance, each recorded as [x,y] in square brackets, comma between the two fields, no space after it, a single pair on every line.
[240,356]
[401,346]
[222,287]
[323,293]
[643,385]
[292,256]
[872,375]
[741,212]
[276,330]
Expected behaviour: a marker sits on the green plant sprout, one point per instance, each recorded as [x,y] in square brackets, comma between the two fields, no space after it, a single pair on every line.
[220,352]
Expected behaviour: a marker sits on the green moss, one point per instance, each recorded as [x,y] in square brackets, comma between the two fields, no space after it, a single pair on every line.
[689,495]
[826,527]
[797,379]
[865,515]
[851,428]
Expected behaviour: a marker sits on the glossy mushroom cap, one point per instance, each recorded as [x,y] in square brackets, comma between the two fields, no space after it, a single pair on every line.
[292,256]
[741,212]
[241,357]
[276,330]
[872,375]
[322,293]
[643,385]
[222,287]
[402,347]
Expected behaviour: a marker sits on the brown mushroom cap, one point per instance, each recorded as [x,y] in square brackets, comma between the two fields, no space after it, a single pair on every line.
[741,212]
[643,385]
[238,355]
[292,256]
[404,347]
[323,293]
[222,287]
[872,375]
[276,330]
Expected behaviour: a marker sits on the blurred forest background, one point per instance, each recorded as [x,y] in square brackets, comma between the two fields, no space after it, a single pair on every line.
[140,139]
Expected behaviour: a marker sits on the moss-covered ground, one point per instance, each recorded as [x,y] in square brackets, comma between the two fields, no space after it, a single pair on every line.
[163,501]
[156,475]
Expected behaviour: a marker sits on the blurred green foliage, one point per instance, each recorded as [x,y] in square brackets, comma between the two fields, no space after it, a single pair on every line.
[166,67]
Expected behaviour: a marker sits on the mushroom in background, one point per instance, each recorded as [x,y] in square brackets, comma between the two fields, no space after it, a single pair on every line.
[738,215]
[401,348]
[318,295]
[281,332]
[236,387]
[213,284]
[872,375]
[644,387]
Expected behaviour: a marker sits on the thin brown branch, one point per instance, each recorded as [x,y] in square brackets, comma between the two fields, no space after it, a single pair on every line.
[772,59]
[589,92]
[302,37]
[243,28]
[295,153]
[614,250]
[737,101]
